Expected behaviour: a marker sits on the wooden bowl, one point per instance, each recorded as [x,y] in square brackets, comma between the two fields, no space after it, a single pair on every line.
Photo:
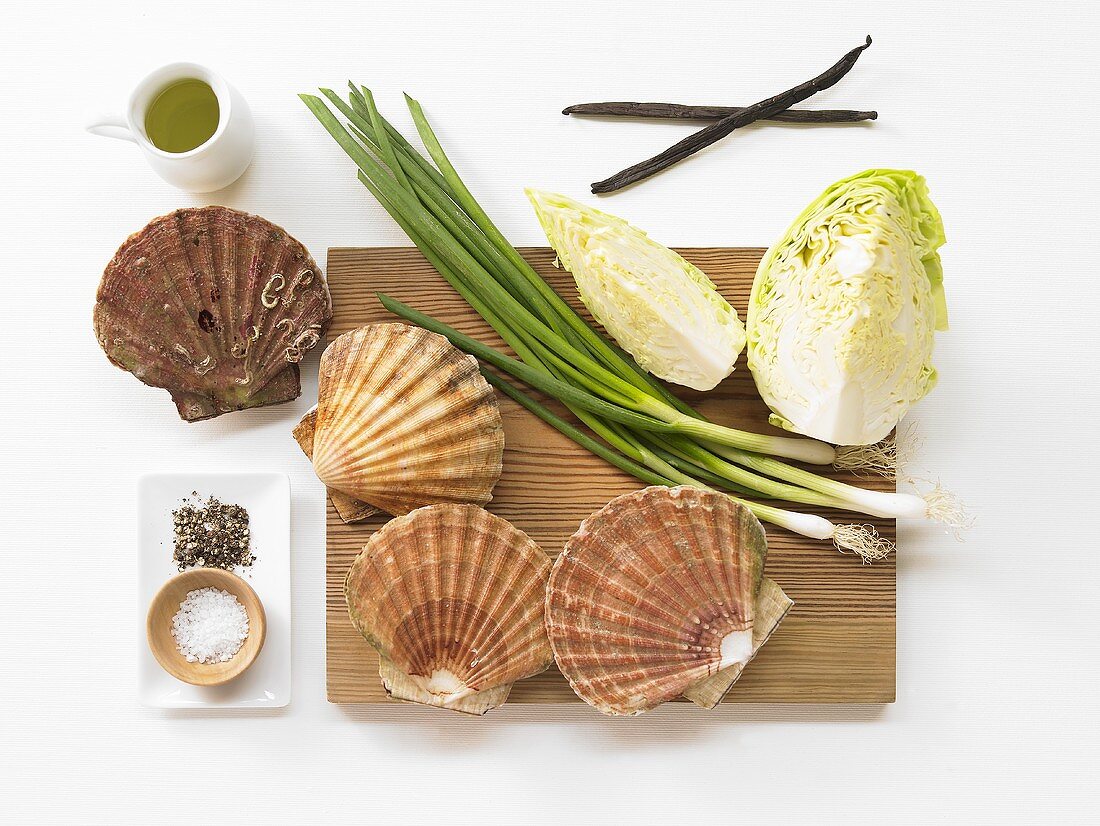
[158,626]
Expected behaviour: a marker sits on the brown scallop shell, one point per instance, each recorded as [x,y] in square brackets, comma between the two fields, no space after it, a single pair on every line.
[453,599]
[215,306]
[655,592]
[404,420]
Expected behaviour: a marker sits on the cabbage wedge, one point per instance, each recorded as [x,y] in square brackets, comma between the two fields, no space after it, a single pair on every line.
[660,308]
[844,308]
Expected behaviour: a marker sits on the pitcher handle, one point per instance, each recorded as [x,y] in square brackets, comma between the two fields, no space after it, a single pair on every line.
[110,126]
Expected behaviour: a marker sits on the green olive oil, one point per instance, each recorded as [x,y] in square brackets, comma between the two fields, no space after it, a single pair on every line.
[183,116]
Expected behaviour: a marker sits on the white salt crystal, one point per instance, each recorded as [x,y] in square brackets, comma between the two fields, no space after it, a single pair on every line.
[210,626]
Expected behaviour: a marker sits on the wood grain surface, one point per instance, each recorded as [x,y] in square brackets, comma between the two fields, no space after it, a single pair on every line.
[835,646]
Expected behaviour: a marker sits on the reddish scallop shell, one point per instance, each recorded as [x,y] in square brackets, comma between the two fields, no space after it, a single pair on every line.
[215,306]
[654,593]
[452,598]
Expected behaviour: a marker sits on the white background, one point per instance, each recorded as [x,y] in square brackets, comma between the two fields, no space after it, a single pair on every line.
[995,103]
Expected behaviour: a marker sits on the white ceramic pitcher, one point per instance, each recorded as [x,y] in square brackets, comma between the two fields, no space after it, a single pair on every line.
[210,166]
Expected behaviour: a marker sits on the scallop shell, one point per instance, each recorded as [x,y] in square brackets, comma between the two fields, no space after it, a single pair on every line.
[453,599]
[655,592]
[404,420]
[215,306]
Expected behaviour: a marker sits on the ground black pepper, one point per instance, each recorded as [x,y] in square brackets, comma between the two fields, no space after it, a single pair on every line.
[211,534]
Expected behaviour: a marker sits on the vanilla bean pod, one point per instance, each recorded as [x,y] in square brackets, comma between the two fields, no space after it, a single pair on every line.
[682,111]
[719,129]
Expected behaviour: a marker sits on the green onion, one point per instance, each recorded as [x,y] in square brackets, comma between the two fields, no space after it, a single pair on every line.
[806,524]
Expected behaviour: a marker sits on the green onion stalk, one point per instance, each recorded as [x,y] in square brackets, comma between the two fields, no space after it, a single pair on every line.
[645,430]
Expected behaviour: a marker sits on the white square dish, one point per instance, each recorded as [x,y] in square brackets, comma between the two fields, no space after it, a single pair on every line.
[266,497]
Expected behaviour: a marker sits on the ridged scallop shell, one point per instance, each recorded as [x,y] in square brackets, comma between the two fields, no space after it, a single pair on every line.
[655,592]
[404,420]
[453,599]
[215,306]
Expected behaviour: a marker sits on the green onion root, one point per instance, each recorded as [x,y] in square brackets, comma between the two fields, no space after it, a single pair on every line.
[879,459]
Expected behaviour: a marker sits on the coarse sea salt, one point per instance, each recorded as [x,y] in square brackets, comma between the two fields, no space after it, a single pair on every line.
[210,626]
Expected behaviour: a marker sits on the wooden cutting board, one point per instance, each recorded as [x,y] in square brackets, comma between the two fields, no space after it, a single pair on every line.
[835,646]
